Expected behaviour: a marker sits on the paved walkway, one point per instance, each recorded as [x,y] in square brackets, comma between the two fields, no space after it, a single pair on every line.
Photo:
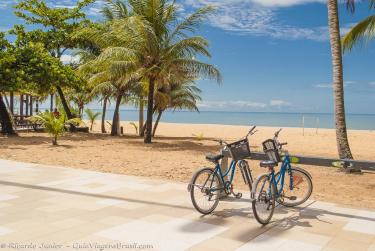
[55,208]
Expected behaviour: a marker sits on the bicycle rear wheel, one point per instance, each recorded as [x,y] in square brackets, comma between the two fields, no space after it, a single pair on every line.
[297,188]
[263,199]
[205,190]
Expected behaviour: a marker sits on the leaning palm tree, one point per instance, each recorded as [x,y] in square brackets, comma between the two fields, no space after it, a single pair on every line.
[361,32]
[338,82]
[176,96]
[54,125]
[121,85]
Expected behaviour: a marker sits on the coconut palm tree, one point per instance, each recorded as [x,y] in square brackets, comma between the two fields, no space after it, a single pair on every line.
[176,96]
[153,41]
[168,48]
[92,116]
[338,82]
[122,85]
[361,32]
[54,125]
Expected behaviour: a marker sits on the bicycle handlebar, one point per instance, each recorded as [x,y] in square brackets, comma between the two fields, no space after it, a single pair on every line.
[251,132]
[278,132]
[280,145]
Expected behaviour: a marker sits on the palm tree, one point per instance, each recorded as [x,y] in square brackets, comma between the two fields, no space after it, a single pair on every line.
[361,32]
[176,96]
[92,116]
[152,42]
[54,125]
[338,83]
[168,48]
[122,86]
[80,98]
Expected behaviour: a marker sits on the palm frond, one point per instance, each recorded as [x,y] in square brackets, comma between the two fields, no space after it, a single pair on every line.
[360,33]
[192,22]
[199,68]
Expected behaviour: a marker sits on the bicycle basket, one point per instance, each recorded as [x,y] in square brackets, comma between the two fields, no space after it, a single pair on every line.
[271,150]
[239,149]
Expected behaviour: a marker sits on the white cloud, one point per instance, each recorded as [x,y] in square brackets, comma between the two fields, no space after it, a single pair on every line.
[67,59]
[283,3]
[6,3]
[260,18]
[323,86]
[279,103]
[346,83]
[372,84]
[231,104]
[242,104]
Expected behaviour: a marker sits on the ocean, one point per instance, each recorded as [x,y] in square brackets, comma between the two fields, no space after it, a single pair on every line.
[308,120]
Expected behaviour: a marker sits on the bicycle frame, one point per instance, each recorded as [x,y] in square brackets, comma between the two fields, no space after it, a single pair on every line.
[285,166]
[231,169]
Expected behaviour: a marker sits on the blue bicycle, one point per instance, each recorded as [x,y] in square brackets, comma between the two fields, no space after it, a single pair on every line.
[209,185]
[291,186]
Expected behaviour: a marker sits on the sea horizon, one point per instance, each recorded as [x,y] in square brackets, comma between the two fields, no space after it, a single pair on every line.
[355,121]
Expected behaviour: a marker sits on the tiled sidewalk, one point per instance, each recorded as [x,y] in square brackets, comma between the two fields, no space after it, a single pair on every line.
[55,208]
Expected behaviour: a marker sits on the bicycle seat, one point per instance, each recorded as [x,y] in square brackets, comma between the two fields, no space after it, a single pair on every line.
[268,163]
[214,158]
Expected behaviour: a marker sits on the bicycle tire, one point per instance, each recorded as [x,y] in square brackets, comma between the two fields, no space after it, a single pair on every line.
[266,220]
[193,189]
[306,196]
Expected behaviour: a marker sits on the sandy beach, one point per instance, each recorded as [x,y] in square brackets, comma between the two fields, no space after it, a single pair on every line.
[179,149]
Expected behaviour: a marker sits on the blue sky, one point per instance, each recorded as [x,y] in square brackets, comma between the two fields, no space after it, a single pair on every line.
[274,55]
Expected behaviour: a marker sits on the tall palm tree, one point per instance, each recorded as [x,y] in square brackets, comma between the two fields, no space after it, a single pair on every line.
[338,82]
[168,48]
[361,32]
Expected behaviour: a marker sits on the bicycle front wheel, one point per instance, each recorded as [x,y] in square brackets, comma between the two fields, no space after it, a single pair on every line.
[205,190]
[263,199]
[297,188]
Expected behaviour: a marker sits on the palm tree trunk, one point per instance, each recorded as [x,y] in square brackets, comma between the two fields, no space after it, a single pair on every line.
[5,119]
[338,82]
[116,116]
[145,124]
[103,114]
[156,123]
[54,140]
[141,116]
[150,106]
[64,102]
